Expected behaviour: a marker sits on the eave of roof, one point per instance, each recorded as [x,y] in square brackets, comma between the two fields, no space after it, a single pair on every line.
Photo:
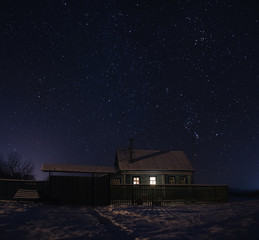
[76,168]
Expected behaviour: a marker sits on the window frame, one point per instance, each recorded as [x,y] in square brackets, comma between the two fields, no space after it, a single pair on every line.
[172,178]
[136,180]
[183,179]
[115,181]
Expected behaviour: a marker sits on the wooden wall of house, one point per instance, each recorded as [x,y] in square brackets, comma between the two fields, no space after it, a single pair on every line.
[145,178]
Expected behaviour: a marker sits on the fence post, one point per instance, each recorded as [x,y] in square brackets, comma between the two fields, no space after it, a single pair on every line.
[92,190]
[109,189]
[50,186]
[132,195]
[152,195]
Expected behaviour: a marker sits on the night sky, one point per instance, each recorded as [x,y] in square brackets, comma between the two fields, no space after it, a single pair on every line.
[79,78]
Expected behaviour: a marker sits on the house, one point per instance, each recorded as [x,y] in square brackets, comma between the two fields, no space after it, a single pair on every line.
[152,167]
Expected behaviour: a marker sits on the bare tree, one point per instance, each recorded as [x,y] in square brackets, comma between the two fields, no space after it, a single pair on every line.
[17,168]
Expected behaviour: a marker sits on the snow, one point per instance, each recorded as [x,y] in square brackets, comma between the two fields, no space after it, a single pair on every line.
[233,220]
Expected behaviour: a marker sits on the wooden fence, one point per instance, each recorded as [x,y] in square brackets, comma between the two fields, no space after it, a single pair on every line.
[8,188]
[94,191]
[165,194]
[97,191]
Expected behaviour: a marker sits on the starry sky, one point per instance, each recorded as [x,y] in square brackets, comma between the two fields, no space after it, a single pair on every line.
[79,78]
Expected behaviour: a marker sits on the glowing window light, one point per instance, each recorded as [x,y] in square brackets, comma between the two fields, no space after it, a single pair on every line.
[152,180]
[135,180]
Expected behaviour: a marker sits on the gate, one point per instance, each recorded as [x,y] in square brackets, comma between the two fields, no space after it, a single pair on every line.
[93,191]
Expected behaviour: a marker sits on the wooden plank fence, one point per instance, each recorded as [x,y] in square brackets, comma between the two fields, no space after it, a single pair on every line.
[97,191]
[94,191]
[166,194]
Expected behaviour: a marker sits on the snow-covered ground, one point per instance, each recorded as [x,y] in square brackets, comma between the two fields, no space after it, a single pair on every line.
[233,220]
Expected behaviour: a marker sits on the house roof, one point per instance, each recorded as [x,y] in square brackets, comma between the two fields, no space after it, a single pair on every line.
[76,168]
[153,160]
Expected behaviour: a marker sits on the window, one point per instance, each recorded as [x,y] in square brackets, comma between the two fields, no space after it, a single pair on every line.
[115,181]
[183,180]
[135,180]
[171,180]
[152,180]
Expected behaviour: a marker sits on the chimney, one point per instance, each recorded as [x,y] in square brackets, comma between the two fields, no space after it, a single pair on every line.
[131,149]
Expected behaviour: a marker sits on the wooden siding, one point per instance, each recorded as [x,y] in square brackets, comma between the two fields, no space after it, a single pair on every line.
[161,177]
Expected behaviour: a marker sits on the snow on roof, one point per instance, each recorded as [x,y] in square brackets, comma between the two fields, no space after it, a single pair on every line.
[76,168]
[153,160]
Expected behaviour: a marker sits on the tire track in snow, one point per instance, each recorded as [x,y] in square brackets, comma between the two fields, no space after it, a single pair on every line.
[112,226]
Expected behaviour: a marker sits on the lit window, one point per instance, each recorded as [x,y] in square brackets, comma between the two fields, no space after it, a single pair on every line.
[171,180]
[135,180]
[152,180]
